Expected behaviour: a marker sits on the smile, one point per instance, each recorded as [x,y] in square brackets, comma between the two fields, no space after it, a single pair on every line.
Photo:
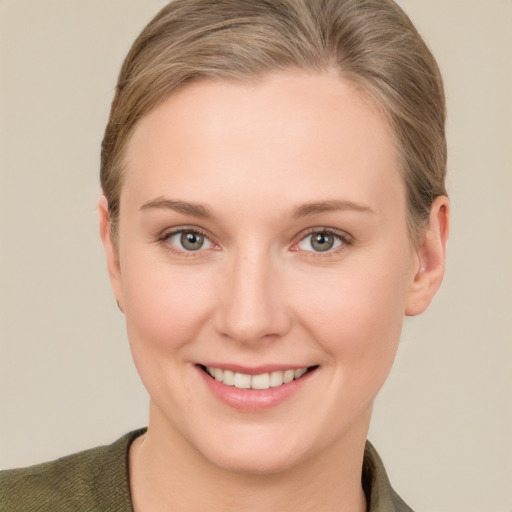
[253,390]
[261,381]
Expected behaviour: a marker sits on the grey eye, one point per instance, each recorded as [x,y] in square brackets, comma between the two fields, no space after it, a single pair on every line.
[191,241]
[321,241]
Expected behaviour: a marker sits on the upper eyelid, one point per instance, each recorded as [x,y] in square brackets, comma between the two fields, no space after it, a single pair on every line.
[164,236]
[345,238]
[332,231]
[166,233]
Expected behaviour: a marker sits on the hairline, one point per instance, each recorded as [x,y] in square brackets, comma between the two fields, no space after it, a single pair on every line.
[353,79]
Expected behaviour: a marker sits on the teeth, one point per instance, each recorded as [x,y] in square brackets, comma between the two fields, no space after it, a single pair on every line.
[276,379]
[242,381]
[288,376]
[229,378]
[300,373]
[261,381]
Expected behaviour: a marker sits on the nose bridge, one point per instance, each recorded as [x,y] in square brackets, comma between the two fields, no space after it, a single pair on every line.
[253,305]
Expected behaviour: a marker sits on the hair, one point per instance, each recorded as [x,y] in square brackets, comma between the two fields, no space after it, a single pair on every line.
[370,43]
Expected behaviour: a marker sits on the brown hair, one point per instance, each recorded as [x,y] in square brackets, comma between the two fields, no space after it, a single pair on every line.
[371,43]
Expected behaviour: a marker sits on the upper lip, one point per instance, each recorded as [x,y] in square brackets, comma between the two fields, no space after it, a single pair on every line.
[256,370]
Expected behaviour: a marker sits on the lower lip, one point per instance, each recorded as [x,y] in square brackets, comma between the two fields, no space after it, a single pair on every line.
[254,400]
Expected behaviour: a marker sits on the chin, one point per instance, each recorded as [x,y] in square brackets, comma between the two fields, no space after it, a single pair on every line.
[258,452]
[252,460]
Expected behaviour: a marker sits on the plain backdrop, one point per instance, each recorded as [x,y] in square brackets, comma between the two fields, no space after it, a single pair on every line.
[442,423]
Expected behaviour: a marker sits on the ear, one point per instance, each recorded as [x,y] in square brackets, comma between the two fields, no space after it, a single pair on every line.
[429,259]
[111,251]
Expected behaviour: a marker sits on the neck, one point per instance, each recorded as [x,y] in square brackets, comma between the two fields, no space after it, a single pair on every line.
[166,472]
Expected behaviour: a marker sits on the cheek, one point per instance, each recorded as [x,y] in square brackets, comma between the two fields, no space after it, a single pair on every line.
[165,308]
[356,314]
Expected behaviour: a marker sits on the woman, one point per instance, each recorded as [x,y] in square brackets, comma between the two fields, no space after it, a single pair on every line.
[274,204]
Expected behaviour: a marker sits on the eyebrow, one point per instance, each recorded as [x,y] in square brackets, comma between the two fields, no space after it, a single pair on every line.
[314,208]
[193,209]
[303,210]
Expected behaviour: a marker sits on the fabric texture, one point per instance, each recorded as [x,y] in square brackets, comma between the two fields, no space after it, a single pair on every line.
[96,480]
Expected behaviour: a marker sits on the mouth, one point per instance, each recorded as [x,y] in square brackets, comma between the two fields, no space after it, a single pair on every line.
[261,381]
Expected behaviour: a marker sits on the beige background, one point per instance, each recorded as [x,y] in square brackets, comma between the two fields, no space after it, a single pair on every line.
[443,422]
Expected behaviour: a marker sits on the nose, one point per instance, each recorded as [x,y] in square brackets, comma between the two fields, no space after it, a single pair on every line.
[252,302]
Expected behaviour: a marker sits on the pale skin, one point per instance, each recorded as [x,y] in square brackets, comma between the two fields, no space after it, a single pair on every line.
[255,169]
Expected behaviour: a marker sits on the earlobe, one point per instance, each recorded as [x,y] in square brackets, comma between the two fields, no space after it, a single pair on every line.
[111,251]
[429,270]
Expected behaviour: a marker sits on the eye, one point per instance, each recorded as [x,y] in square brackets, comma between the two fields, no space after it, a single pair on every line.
[322,241]
[188,240]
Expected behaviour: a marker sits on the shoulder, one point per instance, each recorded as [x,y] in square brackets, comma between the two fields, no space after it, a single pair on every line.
[379,493]
[95,479]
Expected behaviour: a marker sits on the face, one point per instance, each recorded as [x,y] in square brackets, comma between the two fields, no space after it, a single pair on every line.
[263,238]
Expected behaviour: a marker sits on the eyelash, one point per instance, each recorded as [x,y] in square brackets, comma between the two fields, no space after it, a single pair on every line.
[164,240]
[345,239]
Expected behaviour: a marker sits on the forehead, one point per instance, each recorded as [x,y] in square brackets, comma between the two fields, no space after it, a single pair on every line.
[304,134]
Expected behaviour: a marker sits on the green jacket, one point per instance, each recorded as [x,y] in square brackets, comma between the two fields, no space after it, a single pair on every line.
[97,481]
